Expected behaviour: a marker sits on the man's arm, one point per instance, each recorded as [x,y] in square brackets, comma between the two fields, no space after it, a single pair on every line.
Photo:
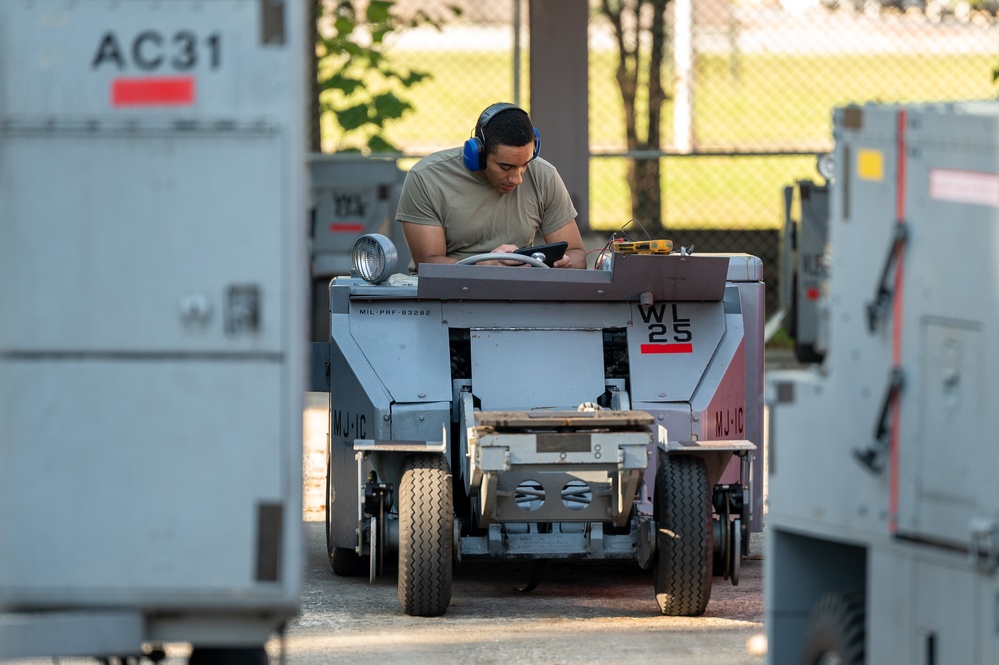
[575,253]
[426,243]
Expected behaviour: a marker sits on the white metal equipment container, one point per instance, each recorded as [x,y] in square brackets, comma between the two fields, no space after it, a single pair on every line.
[152,322]
[891,557]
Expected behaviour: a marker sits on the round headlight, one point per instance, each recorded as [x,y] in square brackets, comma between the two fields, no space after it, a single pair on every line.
[374,257]
[824,165]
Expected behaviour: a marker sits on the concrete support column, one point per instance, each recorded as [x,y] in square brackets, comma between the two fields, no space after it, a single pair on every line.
[559,102]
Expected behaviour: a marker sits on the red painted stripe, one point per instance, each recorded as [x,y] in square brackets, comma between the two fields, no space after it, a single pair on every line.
[153,91]
[346,228]
[896,342]
[667,348]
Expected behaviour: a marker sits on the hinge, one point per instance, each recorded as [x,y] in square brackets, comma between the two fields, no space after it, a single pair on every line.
[872,457]
[878,308]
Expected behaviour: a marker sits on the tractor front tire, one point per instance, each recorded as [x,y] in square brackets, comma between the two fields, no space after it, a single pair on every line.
[426,526]
[683,564]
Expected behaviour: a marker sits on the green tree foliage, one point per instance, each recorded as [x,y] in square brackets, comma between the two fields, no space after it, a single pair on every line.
[359,87]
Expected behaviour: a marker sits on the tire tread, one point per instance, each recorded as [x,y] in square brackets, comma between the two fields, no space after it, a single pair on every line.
[684,562]
[425,536]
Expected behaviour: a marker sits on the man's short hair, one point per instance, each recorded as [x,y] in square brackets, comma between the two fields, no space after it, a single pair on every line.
[512,127]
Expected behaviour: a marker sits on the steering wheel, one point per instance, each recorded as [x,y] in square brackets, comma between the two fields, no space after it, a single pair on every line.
[502,256]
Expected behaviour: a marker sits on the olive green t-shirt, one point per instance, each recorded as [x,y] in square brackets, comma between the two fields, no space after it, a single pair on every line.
[440,191]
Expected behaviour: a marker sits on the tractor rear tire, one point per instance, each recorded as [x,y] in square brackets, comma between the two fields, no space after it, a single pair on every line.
[426,526]
[684,558]
[347,563]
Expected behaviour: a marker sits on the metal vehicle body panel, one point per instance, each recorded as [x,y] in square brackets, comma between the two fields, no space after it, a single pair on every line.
[554,396]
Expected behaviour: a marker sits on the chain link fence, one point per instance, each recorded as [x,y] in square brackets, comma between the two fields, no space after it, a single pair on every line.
[750,96]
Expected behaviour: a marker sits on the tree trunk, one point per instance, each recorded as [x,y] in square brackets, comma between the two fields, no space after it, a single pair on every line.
[643,174]
[646,193]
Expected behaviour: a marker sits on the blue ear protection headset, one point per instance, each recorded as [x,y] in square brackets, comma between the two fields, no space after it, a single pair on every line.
[473,154]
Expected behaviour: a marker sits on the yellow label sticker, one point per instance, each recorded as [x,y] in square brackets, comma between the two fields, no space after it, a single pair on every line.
[870,165]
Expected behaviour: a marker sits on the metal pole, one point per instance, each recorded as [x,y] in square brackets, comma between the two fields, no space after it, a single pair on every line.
[516,52]
[683,57]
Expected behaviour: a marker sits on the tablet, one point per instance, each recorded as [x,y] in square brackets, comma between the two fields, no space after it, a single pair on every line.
[553,251]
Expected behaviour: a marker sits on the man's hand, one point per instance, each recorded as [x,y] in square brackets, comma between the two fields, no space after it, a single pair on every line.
[504,249]
[575,254]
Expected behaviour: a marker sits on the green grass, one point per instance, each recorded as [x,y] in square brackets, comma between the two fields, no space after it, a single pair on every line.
[701,192]
[782,99]
[757,102]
